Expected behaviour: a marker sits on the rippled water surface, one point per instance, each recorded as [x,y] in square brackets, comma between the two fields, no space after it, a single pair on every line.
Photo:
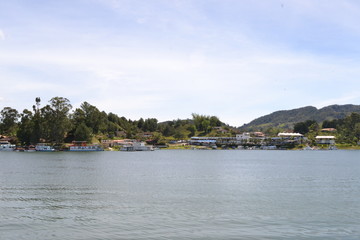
[180,195]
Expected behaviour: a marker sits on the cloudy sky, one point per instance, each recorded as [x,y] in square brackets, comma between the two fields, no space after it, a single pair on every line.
[236,59]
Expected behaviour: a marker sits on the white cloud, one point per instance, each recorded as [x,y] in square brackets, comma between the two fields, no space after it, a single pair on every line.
[167,86]
[170,59]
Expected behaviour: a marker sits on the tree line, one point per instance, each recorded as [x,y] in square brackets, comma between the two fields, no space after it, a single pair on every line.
[56,122]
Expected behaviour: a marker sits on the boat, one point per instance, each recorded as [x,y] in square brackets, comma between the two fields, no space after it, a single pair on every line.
[44,147]
[82,146]
[136,146]
[30,148]
[7,146]
[19,149]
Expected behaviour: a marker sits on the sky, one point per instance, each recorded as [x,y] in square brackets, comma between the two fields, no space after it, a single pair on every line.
[166,59]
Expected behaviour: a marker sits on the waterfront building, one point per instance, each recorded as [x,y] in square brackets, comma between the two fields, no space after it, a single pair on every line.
[326,140]
[243,137]
[137,146]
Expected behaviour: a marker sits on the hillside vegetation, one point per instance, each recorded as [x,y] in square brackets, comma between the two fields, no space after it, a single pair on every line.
[56,122]
[286,119]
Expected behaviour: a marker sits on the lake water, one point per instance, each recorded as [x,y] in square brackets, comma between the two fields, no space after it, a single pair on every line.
[180,194]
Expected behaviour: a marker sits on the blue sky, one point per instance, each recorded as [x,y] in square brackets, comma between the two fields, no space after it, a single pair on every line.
[236,59]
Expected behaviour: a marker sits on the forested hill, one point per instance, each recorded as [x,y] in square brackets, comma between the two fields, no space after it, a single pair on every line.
[287,118]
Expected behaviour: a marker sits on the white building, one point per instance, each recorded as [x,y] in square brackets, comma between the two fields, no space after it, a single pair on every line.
[325,140]
[243,137]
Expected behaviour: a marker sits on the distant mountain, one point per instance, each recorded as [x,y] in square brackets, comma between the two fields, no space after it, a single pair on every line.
[286,119]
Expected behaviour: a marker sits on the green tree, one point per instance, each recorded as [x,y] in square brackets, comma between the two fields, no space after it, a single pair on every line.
[78,117]
[26,128]
[8,121]
[180,133]
[150,124]
[104,123]
[330,123]
[192,129]
[205,125]
[56,120]
[303,127]
[112,128]
[215,121]
[198,119]
[93,117]
[357,131]
[347,128]
[140,123]
[36,122]
[168,130]
[114,118]
[82,133]
[158,138]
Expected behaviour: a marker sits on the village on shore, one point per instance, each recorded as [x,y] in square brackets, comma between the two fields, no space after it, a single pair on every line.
[242,141]
[56,127]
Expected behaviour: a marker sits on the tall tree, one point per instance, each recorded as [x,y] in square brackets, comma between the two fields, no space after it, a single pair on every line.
[8,121]
[140,123]
[56,120]
[215,121]
[150,124]
[26,127]
[37,122]
[93,117]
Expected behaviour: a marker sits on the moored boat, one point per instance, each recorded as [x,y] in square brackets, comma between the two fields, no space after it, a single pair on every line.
[30,148]
[82,146]
[137,146]
[7,146]
[43,147]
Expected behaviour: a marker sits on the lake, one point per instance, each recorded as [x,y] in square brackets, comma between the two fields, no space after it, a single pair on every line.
[180,194]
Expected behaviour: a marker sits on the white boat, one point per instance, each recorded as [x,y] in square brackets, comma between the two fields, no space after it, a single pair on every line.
[6,146]
[43,147]
[137,146]
[82,146]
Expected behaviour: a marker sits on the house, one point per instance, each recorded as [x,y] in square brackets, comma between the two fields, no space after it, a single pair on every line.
[259,134]
[330,140]
[136,146]
[112,143]
[220,130]
[146,135]
[243,137]
[5,138]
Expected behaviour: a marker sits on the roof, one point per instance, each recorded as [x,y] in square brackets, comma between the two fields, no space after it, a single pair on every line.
[328,129]
[290,135]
